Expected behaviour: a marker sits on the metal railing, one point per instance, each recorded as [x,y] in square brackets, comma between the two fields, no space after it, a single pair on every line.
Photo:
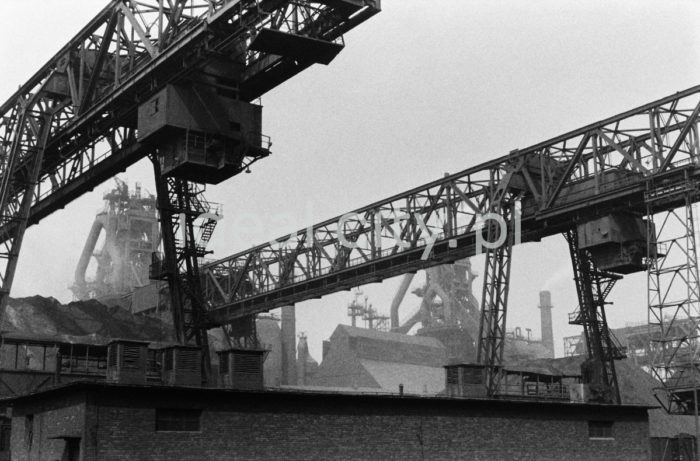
[536,390]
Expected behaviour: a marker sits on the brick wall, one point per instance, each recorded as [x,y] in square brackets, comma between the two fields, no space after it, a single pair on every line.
[40,428]
[276,425]
[378,436]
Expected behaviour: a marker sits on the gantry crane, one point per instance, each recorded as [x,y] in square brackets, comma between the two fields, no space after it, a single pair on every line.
[119,92]
[620,191]
[173,80]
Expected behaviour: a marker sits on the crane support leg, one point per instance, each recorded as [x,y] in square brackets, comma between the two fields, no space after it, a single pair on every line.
[492,327]
[180,204]
[674,296]
[24,159]
[592,287]
[242,333]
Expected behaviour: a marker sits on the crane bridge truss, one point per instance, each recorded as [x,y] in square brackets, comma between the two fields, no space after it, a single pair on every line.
[599,169]
[585,173]
[73,124]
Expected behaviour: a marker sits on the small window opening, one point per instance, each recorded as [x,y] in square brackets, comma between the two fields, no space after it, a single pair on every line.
[600,429]
[29,430]
[178,420]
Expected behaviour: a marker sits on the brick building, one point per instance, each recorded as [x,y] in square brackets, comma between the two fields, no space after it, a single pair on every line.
[100,421]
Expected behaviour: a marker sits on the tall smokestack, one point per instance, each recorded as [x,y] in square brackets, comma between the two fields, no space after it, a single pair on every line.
[289,346]
[302,354]
[546,321]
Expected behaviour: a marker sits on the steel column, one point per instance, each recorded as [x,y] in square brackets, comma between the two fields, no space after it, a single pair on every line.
[592,288]
[24,158]
[183,211]
[492,329]
[674,296]
[494,300]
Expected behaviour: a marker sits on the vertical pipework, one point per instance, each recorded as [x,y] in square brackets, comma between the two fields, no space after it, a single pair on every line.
[289,361]
[396,302]
[302,354]
[80,286]
[546,321]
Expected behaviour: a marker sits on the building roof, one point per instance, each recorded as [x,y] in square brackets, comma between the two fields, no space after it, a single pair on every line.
[356,332]
[383,346]
[360,357]
[415,379]
[139,392]
[334,389]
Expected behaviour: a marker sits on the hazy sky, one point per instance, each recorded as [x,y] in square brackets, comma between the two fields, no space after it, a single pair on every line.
[421,89]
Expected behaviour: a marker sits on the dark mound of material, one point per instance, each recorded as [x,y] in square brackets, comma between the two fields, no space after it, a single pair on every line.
[46,317]
[636,387]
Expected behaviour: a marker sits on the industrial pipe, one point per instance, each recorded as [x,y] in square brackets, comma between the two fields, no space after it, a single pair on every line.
[398,298]
[85,256]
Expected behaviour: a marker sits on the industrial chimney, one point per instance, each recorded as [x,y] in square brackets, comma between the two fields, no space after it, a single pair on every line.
[546,321]
[289,349]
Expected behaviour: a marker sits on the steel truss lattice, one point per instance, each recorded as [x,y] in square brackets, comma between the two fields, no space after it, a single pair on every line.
[592,287]
[73,124]
[187,223]
[494,300]
[674,296]
[22,153]
[492,330]
[589,171]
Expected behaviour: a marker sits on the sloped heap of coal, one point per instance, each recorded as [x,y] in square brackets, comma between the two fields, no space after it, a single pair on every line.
[636,387]
[46,317]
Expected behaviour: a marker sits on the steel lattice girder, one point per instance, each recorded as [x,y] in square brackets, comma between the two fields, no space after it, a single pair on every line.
[128,52]
[585,173]
[494,303]
[494,299]
[26,152]
[592,288]
[674,299]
